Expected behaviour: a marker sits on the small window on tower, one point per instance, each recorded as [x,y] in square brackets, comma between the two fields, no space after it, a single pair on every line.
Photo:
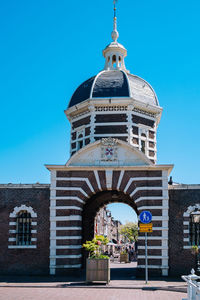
[114,59]
[143,146]
[80,143]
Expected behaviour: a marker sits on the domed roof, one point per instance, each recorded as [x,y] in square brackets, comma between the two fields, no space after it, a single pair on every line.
[114,84]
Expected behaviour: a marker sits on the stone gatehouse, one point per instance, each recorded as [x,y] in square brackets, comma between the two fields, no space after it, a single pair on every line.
[114,118]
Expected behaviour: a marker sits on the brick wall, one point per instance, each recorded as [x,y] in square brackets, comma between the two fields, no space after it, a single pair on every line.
[181,261]
[25,261]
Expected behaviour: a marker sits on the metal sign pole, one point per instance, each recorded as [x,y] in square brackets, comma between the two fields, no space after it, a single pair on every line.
[146,266]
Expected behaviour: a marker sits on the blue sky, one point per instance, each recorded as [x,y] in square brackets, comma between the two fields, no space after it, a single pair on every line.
[49,47]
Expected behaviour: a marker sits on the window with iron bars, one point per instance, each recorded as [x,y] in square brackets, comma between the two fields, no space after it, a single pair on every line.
[194,232]
[23,236]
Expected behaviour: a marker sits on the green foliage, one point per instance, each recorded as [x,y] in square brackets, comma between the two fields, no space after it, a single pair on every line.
[129,231]
[195,249]
[94,246]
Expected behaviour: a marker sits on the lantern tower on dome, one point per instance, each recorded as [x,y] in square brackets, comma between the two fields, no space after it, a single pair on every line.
[116,104]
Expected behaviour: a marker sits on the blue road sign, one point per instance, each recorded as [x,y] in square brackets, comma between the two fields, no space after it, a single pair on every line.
[145,217]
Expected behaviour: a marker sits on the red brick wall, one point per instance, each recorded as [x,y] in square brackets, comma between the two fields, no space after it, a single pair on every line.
[25,261]
[181,261]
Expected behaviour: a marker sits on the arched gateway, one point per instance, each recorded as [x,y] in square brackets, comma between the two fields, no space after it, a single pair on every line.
[86,182]
[114,117]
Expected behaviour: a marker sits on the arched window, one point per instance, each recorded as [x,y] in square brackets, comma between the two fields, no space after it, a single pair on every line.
[80,143]
[143,146]
[114,60]
[23,232]
[194,228]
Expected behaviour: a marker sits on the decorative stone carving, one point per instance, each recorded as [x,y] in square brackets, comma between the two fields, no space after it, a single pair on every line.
[109,149]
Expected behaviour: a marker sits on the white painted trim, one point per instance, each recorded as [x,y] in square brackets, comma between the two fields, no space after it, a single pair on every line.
[12,223]
[77,179]
[70,237]
[153,256]
[17,209]
[111,134]
[66,228]
[65,207]
[150,198]
[112,123]
[186,223]
[79,117]
[160,218]
[149,238]
[188,247]
[70,189]
[154,247]
[57,198]
[23,186]
[97,179]
[94,82]
[67,247]
[79,129]
[66,218]
[120,179]
[65,266]
[152,207]
[12,231]
[12,239]
[109,175]
[186,239]
[139,179]
[52,271]
[161,228]
[22,247]
[153,267]
[65,256]
[146,188]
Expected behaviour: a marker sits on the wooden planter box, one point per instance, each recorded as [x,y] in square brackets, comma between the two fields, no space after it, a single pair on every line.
[124,258]
[98,270]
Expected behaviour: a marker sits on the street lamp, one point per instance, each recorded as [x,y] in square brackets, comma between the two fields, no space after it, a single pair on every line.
[195,218]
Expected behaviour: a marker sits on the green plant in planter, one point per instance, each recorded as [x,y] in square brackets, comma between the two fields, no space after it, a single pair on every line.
[94,247]
[195,249]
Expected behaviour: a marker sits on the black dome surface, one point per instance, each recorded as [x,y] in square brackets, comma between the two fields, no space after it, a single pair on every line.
[104,85]
[111,84]
[82,92]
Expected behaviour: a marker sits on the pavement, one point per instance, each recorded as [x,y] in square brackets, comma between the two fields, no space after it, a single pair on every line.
[126,287]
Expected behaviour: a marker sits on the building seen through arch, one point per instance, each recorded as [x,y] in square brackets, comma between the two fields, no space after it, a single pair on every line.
[114,118]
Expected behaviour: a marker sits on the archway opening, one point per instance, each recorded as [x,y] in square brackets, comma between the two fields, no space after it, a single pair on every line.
[107,213]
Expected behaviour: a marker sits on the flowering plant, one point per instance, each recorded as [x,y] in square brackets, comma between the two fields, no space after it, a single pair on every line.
[95,247]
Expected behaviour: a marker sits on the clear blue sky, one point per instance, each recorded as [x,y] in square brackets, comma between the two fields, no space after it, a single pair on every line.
[49,47]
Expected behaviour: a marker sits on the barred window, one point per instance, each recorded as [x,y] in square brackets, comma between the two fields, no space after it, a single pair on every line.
[195,228]
[23,233]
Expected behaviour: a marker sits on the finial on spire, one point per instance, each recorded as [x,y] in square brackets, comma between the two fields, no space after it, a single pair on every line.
[115,33]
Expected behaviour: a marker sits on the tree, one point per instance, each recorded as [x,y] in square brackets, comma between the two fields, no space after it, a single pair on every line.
[129,231]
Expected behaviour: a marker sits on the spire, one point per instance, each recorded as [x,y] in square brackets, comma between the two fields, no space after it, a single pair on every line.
[115,53]
[115,33]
